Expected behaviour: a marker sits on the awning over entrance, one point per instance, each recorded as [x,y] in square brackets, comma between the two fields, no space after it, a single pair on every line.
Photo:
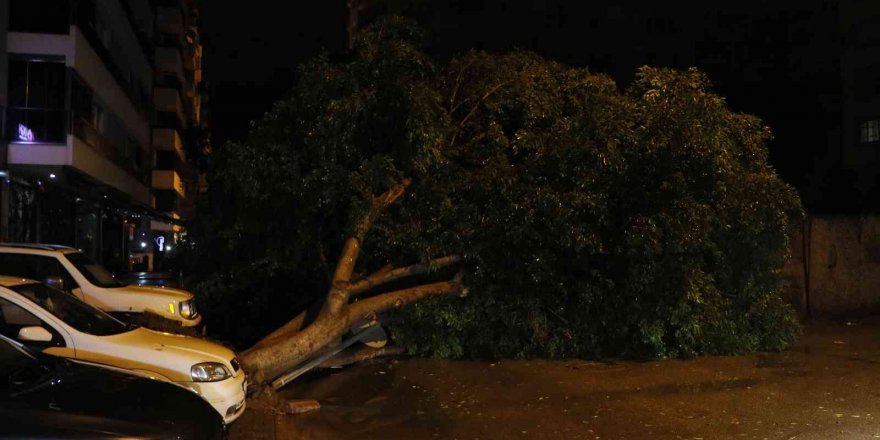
[77,184]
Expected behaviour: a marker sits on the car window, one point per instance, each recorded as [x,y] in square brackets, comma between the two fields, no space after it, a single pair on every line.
[94,272]
[14,360]
[14,317]
[71,310]
[34,267]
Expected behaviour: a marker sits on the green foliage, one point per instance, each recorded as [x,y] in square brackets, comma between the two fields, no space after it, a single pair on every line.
[595,222]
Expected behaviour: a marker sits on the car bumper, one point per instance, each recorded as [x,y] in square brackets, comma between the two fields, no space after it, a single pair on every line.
[190,322]
[226,396]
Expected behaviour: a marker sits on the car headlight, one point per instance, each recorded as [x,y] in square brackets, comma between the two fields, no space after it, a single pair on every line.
[188,309]
[209,372]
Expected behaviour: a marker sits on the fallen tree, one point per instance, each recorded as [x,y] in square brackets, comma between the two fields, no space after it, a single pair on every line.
[299,339]
[596,221]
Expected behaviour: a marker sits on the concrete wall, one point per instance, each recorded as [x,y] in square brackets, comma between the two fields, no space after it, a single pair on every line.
[834,269]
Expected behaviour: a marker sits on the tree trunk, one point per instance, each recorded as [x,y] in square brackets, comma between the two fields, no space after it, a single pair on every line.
[298,340]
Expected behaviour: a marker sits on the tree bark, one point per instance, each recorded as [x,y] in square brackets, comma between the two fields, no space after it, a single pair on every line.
[297,341]
[386,276]
[382,276]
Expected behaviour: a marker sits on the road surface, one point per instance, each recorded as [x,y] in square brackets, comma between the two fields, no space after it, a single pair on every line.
[827,387]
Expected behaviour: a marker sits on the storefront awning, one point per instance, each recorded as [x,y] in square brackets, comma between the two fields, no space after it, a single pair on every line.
[79,185]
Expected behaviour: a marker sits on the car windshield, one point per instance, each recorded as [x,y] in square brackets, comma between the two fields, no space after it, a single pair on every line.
[94,272]
[71,310]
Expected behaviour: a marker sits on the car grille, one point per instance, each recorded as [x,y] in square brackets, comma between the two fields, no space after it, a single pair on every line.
[235,365]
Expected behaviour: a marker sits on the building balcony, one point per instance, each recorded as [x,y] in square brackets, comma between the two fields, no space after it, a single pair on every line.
[169,20]
[168,100]
[168,59]
[168,139]
[168,180]
[169,103]
[167,201]
[170,160]
[122,152]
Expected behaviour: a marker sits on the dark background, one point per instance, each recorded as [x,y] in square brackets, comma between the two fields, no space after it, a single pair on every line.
[779,60]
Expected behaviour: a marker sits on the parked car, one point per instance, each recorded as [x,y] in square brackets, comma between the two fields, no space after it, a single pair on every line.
[70,270]
[57,323]
[158,279]
[44,397]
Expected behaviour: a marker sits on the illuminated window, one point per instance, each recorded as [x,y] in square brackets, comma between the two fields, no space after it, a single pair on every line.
[37,91]
[870,131]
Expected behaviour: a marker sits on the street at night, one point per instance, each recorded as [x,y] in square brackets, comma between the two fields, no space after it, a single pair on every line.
[445,219]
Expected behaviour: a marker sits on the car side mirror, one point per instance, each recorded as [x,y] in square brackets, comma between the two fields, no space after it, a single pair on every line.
[34,334]
[56,282]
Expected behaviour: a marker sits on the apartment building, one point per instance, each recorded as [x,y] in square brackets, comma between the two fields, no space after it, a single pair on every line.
[860,92]
[177,126]
[84,106]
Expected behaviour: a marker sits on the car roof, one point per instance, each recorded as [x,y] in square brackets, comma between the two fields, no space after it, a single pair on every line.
[8,281]
[39,247]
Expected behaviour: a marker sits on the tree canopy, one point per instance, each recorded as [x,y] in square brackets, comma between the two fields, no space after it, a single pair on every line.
[593,221]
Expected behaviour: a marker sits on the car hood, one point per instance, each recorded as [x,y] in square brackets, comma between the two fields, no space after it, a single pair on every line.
[80,401]
[168,354]
[161,292]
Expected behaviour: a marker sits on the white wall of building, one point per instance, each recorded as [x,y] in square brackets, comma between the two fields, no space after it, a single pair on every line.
[89,66]
[79,55]
[85,158]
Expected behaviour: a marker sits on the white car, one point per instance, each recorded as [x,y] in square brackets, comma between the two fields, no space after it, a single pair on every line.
[70,270]
[57,323]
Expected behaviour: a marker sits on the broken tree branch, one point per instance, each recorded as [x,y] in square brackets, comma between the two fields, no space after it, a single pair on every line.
[383,275]
[266,360]
[338,296]
[372,306]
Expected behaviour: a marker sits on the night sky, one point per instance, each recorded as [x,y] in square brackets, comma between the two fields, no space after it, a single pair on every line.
[776,59]
[251,54]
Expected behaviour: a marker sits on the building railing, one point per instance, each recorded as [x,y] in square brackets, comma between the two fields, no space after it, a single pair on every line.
[129,157]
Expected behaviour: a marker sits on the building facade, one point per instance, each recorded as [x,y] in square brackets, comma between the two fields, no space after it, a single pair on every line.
[79,94]
[178,133]
[860,92]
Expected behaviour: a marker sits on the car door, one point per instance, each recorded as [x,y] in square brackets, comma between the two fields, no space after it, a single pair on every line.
[14,317]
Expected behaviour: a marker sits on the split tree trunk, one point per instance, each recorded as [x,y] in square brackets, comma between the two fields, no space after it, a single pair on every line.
[298,340]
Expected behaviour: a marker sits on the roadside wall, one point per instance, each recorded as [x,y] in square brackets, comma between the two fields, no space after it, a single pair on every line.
[840,275]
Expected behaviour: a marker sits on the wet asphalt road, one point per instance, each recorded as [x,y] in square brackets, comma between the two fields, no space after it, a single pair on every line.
[827,387]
